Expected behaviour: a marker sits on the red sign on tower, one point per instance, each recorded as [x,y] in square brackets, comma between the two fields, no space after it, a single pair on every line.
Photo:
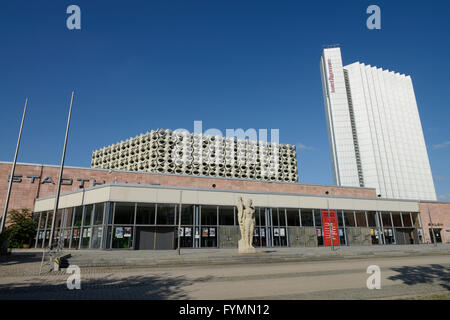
[326,228]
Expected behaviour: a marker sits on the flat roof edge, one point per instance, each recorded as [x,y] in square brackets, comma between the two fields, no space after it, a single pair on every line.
[220,190]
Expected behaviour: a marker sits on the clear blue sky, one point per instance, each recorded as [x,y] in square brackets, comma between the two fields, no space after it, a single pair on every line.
[141,65]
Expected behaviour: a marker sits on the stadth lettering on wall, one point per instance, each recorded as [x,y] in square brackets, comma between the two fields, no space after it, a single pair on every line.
[331,76]
[64,180]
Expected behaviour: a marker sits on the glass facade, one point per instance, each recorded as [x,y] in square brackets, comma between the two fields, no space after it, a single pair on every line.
[209,226]
[226,216]
[307,217]
[349,218]
[146,213]
[122,225]
[293,217]
[361,219]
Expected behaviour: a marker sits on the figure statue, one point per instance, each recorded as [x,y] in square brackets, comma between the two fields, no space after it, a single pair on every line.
[246,218]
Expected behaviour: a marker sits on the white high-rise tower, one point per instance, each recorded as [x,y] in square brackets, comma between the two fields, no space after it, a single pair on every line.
[374,129]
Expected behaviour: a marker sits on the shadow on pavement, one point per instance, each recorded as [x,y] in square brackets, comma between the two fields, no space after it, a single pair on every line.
[133,287]
[17,258]
[434,273]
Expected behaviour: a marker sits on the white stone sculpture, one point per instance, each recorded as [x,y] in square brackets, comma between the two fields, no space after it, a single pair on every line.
[246,218]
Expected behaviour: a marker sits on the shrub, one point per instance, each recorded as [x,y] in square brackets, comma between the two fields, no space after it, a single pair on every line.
[21,228]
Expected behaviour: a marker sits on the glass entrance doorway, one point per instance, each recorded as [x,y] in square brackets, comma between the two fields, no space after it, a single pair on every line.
[270,228]
[406,235]
[261,233]
[259,237]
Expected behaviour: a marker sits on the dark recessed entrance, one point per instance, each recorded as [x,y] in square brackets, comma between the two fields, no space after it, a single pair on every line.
[406,235]
[151,238]
[437,235]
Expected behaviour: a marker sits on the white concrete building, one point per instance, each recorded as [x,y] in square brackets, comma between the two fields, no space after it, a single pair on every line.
[375,133]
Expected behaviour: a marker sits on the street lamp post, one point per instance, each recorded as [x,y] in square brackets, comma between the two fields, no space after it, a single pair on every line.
[61,168]
[13,168]
[431,225]
[329,222]
[179,224]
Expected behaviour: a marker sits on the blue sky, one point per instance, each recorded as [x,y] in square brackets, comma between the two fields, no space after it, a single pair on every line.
[141,65]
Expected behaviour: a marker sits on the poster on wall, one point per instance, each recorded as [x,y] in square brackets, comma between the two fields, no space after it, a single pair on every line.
[341,232]
[276,232]
[76,233]
[119,232]
[319,232]
[187,232]
[127,232]
[212,232]
[205,232]
[282,232]
[263,232]
[181,232]
[329,217]
[256,232]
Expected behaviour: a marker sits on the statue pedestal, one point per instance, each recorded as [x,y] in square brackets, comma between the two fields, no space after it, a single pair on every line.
[243,248]
[247,250]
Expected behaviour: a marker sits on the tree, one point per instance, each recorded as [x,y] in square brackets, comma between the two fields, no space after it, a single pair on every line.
[21,228]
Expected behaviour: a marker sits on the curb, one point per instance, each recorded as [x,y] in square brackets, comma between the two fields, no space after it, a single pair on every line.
[243,260]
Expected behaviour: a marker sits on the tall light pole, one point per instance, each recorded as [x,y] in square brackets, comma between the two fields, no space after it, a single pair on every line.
[329,222]
[13,168]
[61,168]
[431,224]
[179,224]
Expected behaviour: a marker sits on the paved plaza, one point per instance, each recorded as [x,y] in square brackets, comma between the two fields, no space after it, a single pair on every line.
[307,273]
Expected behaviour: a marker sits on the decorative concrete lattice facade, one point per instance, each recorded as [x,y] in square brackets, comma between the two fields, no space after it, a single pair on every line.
[165,151]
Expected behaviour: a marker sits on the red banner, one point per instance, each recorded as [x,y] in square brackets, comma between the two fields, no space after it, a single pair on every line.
[326,228]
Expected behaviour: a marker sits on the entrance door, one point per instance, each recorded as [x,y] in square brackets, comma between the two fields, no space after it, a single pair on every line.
[259,237]
[145,238]
[150,238]
[400,236]
[262,234]
[165,237]
[405,235]
[437,235]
